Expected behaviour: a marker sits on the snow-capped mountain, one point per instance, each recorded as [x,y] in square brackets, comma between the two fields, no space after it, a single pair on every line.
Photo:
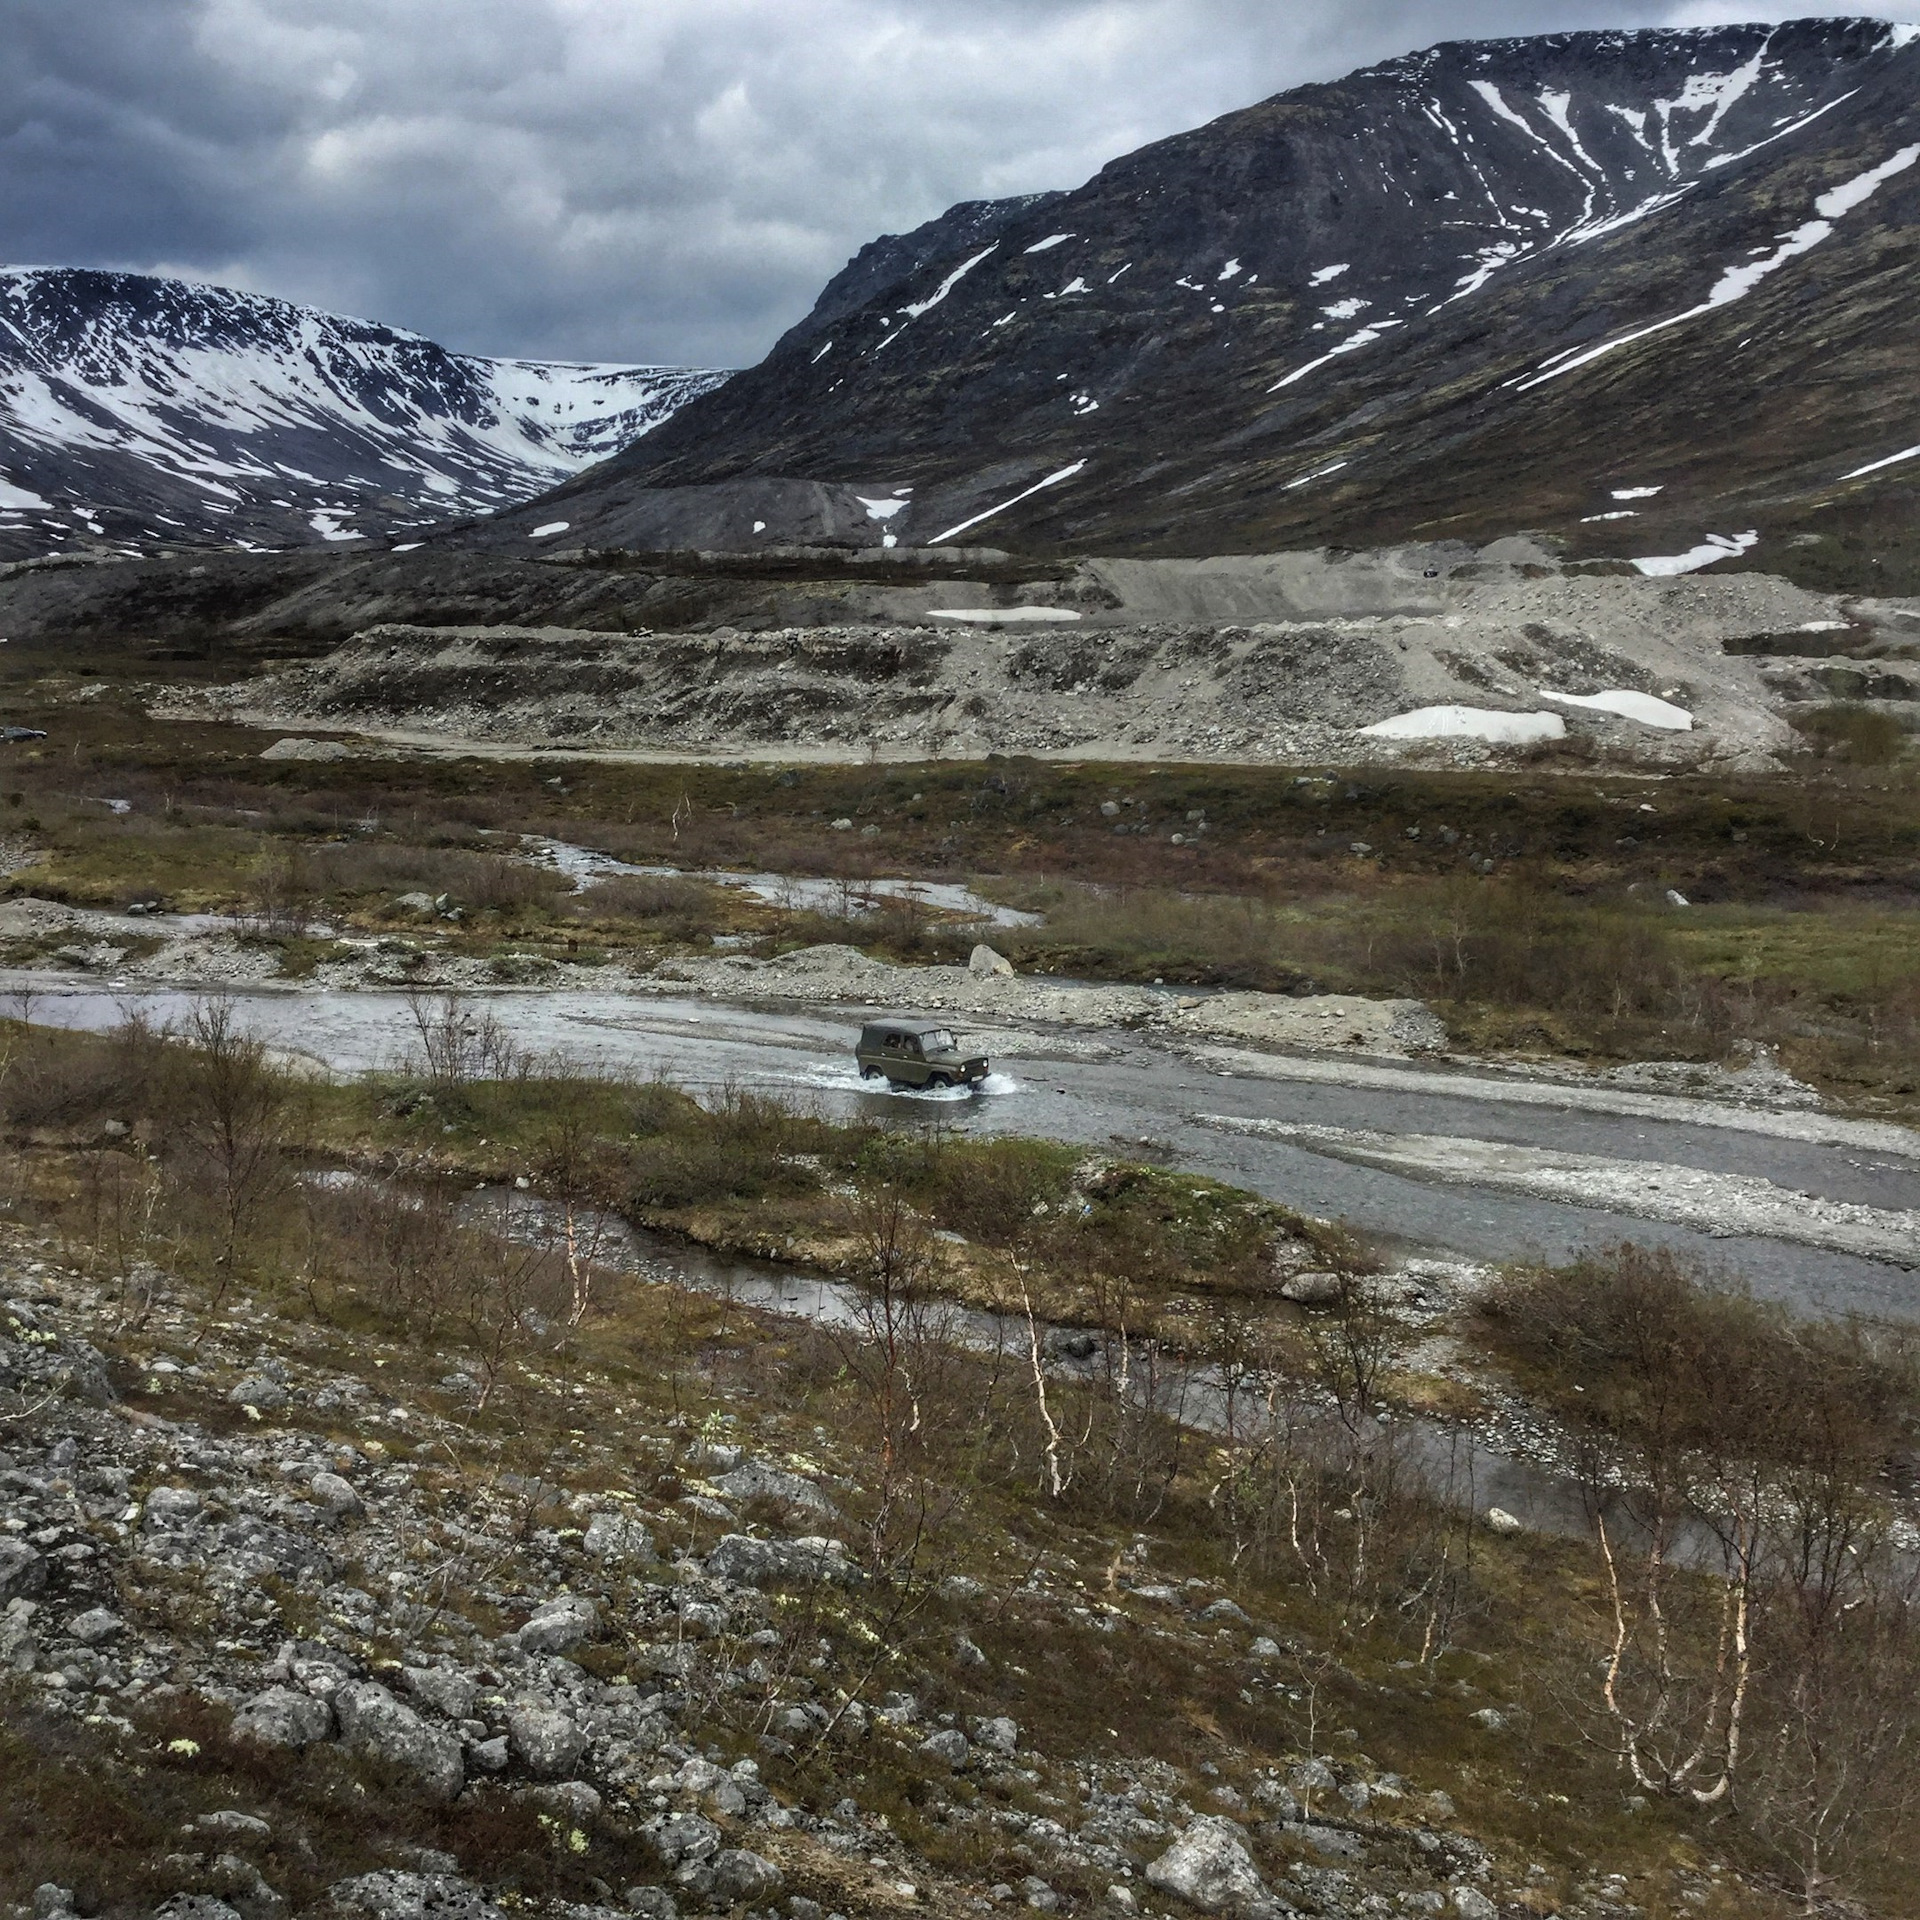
[1628,287]
[137,412]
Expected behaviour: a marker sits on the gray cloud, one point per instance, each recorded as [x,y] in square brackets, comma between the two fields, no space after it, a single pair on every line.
[664,180]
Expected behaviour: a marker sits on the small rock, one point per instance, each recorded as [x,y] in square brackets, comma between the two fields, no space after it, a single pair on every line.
[49,1900]
[1265,1649]
[575,1798]
[759,1563]
[1225,1610]
[195,1906]
[966,1653]
[234,1825]
[297,749]
[560,1625]
[1499,1520]
[95,1627]
[22,1571]
[616,1537]
[1312,1289]
[949,1745]
[490,1756]
[1312,1776]
[173,1507]
[1471,1904]
[752,1480]
[999,1734]
[1491,1718]
[261,1392]
[282,1718]
[985,964]
[549,1741]
[336,1495]
[441,1688]
[651,1903]
[685,1837]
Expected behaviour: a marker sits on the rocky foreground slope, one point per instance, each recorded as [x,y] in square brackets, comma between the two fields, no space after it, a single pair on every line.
[359,1660]
[1633,288]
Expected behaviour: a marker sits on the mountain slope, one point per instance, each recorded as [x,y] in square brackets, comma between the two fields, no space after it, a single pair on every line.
[136,411]
[1569,283]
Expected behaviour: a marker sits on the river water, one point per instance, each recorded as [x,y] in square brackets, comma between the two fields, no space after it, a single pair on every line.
[1132,1096]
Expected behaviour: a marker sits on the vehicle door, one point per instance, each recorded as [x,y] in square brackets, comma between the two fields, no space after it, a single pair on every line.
[914,1059]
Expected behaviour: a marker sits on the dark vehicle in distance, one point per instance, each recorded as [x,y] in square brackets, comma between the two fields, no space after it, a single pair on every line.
[912,1052]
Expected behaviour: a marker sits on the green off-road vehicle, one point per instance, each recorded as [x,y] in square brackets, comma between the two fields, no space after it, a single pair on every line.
[913,1052]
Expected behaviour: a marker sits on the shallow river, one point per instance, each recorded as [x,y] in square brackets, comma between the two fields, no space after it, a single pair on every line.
[1141,1094]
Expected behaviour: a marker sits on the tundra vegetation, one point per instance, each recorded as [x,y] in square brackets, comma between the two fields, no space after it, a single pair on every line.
[1533,906]
[1191,1545]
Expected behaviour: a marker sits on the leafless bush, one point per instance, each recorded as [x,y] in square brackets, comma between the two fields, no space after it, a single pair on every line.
[459,1043]
[234,1108]
[1731,1455]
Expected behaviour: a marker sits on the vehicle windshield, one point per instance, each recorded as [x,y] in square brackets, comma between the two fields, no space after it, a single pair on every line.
[936,1040]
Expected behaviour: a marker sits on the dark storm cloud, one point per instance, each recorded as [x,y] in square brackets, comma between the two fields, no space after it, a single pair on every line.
[622,179]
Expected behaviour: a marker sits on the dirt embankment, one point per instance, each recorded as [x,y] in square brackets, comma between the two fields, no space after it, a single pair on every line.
[1286,657]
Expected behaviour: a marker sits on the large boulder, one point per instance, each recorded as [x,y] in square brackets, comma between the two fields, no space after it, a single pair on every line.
[808,1561]
[1209,1867]
[741,1878]
[373,1722]
[754,1480]
[280,1717]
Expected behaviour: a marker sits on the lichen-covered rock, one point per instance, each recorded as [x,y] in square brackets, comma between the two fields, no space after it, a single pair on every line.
[754,1480]
[763,1563]
[549,1741]
[561,1625]
[373,1722]
[950,1745]
[22,1570]
[280,1717]
[617,1537]
[1209,1867]
[741,1878]
[413,1896]
[445,1689]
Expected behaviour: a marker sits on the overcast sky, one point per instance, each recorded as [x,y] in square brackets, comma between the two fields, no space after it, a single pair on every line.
[664,180]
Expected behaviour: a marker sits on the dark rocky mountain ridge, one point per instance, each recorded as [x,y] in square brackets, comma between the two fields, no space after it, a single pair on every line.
[137,413]
[1633,289]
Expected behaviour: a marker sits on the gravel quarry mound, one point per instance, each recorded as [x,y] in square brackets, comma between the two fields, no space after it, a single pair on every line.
[1438,654]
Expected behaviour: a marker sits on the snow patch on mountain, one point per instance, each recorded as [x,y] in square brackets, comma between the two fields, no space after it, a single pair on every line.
[194,413]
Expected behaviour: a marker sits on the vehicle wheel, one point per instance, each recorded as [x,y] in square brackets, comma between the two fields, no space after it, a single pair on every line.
[940,1080]
[869,1073]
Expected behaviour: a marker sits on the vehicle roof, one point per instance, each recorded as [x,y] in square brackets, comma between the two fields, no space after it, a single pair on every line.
[908,1023]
